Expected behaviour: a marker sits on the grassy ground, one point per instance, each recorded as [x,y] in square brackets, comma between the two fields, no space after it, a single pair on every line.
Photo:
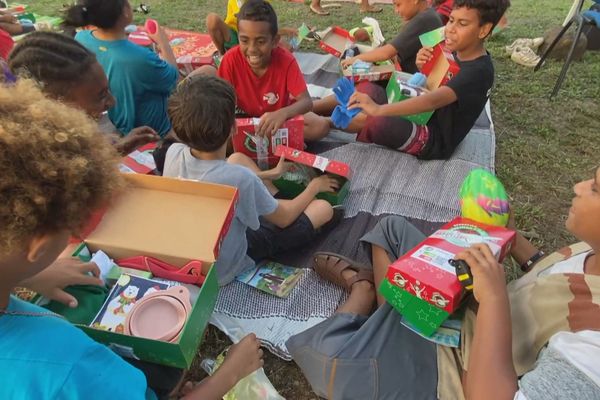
[543,146]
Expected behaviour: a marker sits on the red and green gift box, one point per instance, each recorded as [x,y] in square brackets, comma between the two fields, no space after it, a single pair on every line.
[439,70]
[422,285]
[261,149]
[308,166]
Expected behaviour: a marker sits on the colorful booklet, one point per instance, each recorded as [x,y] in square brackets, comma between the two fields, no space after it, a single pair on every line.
[272,277]
[121,299]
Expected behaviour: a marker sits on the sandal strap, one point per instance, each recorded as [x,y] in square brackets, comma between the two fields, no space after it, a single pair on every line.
[330,267]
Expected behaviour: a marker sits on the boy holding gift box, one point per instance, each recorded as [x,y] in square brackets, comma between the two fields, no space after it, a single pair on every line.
[57,172]
[202,111]
[457,104]
[266,78]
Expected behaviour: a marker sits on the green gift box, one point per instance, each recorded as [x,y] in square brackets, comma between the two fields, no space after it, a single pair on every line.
[398,89]
[308,166]
[423,316]
[193,229]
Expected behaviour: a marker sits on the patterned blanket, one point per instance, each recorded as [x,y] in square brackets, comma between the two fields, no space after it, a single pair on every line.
[426,192]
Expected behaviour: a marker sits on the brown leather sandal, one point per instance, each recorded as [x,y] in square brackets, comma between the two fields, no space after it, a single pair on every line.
[329,266]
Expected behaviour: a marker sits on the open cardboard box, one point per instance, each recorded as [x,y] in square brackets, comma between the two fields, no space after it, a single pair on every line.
[261,150]
[175,221]
[439,70]
[335,40]
[320,166]
[379,71]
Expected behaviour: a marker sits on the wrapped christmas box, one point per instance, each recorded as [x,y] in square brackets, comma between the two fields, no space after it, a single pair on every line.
[308,166]
[425,274]
[262,149]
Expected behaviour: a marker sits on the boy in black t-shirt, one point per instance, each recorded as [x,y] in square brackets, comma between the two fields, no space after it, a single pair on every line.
[457,105]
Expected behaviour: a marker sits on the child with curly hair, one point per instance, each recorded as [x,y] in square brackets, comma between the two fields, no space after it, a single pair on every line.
[56,172]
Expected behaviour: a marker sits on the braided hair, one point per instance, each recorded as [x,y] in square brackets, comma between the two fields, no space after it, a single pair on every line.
[54,60]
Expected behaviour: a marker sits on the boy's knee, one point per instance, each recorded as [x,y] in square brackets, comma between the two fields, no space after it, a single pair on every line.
[319,212]
[315,127]
[213,20]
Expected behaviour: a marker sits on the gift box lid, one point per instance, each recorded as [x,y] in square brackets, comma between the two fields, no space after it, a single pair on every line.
[174,220]
[312,160]
[335,40]
[425,272]
[440,68]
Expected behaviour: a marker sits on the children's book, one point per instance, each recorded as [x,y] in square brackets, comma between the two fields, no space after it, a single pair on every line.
[272,277]
[121,299]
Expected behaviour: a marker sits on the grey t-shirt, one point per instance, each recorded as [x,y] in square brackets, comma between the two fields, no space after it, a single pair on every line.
[407,42]
[254,201]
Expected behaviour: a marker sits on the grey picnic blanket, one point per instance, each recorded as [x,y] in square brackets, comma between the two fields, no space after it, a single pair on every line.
[384,182]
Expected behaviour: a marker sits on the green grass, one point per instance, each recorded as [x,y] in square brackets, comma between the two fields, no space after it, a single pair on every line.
[543,146]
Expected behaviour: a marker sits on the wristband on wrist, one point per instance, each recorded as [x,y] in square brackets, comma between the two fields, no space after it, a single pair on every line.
[526,266]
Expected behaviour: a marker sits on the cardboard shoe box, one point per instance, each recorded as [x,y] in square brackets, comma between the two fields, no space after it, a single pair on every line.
[421,282]
[439,70]
[335,40]
[399,89]
[176,221]
[191,49]
[314,166]
[260,149]
[380,71]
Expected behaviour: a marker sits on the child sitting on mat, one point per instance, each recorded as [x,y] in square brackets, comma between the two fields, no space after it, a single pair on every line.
[266,78]
[140,79]
[203,113]
[55,174]
[417,18]
[66,70]
[224,33]
[457,105]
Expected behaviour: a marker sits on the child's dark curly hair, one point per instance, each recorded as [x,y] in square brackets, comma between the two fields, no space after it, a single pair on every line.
[202,111]
[259,10]
[56,168]
[490,11]
[54,60]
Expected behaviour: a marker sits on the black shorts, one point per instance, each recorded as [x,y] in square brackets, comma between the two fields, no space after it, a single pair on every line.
[269,240]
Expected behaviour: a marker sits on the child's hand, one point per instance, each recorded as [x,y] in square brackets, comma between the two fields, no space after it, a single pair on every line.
[159,37]
[281,168]
[348,62]
[269,123]
[137,137]
[423,56]
[325,183]
[242,359]
[364,102]
[489,283]
[62,273]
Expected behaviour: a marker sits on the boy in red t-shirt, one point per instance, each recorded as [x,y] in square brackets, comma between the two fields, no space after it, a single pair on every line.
[267,79]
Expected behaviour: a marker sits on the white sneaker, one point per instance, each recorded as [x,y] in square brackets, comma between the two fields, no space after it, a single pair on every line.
[525,56]
[533,44]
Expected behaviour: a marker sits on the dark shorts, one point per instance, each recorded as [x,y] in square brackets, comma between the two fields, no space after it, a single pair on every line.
[353,357]
[233,40]
[395,132]
[269,240]
[161,379]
